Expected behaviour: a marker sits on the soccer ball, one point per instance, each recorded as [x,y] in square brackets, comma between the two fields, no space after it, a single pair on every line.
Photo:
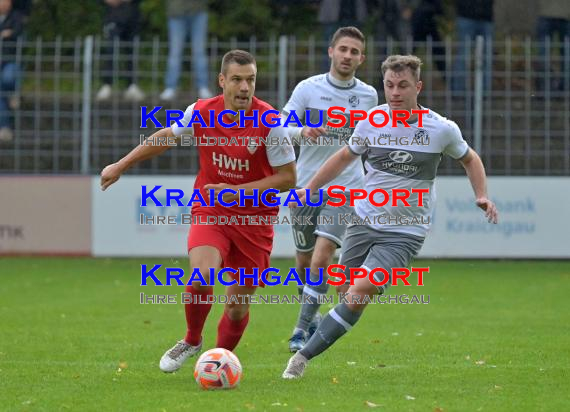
[218,369]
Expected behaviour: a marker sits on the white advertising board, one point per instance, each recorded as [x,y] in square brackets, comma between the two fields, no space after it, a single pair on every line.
[532,219]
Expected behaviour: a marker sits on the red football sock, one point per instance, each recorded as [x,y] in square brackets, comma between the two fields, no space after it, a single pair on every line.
[230,331]
[196,314]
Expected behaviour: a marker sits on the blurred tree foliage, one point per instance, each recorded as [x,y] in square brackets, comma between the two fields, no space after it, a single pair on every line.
[67,18]
[228,18]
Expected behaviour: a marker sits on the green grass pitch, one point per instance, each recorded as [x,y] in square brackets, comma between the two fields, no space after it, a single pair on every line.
[494,337]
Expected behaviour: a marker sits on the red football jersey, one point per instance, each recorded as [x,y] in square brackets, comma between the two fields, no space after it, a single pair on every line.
[233,164]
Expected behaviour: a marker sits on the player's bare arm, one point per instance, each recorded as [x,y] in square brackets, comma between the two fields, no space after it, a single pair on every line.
[111,173]
[475,170]
[285,178]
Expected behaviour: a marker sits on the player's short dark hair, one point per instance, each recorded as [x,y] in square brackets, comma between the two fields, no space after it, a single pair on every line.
[399,63]
[240,57]
[349,31]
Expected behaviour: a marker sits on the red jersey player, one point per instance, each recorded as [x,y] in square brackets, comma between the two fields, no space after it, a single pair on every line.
[236,167]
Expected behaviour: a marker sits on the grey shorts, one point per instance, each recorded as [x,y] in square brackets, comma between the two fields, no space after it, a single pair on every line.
[324,221]
[368,248]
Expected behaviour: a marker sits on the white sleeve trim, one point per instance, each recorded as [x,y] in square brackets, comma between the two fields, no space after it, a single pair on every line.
[177,130]
[279,154]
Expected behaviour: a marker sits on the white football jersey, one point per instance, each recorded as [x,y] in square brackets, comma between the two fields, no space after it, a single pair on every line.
[404,158]
[318,93]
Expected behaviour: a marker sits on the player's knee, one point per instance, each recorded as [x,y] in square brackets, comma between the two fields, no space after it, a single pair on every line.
[236,311]
[203,258]
[357,293]
[320,262]
[323,255]
[355,302]
[202,281]
[363,287]
[322,259]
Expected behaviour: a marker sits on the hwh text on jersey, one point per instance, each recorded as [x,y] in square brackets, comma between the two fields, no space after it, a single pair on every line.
[226,162]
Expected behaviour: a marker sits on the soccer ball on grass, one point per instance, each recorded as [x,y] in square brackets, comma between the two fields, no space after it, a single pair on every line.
[218,369]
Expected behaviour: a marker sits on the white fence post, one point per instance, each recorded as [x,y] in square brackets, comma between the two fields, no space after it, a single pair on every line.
[478,109]
[86,104]
[282,70]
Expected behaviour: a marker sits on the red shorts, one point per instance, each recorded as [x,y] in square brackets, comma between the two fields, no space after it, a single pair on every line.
[240,246]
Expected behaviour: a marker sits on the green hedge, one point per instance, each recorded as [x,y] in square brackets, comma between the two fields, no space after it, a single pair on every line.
[228,18]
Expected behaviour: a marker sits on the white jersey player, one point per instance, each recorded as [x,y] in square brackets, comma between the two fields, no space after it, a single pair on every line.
[393,166]
[316,243]
[404,158]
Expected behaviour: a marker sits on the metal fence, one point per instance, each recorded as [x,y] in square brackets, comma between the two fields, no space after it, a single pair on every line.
[514,108]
